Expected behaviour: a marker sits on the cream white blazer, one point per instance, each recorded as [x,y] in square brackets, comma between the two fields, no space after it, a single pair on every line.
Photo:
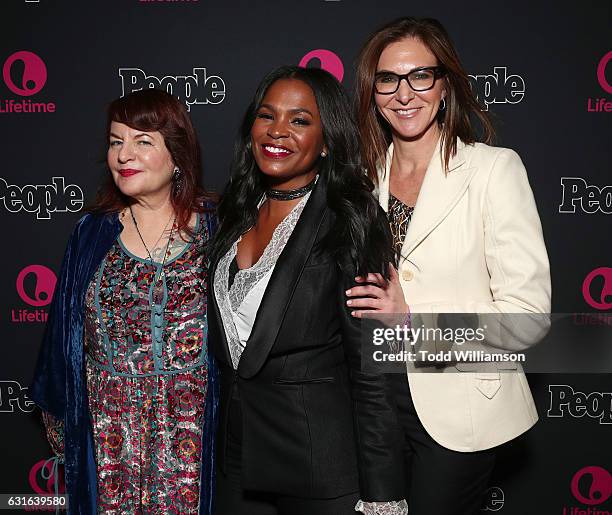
[474,245]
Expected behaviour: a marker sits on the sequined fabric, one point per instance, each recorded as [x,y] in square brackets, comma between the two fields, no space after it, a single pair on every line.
[147,380]
[399,215]
[55,434]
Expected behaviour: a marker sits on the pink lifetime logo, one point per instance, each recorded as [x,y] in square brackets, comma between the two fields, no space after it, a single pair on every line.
[600,489]
[43,476]
[329,62]
[601,72]
[34,73]
[45,281]
[606,290]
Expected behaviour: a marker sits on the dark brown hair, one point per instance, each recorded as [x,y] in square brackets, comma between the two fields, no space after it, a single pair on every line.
[156,110]
[461,106]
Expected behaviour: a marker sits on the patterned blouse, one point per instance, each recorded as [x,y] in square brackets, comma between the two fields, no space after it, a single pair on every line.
[399,216]
[147,378]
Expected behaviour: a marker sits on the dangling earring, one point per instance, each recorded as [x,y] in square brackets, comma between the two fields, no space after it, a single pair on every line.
[177,180]
[442,104]
[323,154]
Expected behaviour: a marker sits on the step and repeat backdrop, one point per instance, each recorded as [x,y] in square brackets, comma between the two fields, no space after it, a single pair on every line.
[543,71]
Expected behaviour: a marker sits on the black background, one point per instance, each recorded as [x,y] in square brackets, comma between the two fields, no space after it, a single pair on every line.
[554,46]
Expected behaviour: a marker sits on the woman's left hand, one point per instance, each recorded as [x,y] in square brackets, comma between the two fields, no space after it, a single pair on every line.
[374,294]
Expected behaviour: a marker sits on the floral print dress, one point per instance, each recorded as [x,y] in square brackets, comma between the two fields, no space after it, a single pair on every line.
[145,342]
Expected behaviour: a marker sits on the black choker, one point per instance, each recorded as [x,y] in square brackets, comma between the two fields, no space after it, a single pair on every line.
[290,194]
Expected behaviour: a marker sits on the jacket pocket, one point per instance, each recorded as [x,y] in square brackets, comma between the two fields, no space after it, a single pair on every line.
[486,377]
[488,383]
[298,381]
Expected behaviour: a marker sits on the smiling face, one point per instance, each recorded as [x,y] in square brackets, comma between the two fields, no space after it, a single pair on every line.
[139,161]
[411,114]
[287,135]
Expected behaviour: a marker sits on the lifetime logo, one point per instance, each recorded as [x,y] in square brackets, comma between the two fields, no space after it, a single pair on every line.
[14,396]
[35,285]
[42,199]
[25,74]
[498,87]
[591,199]
[590,486]
[326,60]
[601,105]
[196,89]
[42,477]
[44,285]
[606,290]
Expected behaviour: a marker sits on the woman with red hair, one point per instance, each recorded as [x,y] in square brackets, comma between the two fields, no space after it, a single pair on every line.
[124,377]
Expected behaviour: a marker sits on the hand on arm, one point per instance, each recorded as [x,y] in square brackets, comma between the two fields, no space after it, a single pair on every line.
[374,295]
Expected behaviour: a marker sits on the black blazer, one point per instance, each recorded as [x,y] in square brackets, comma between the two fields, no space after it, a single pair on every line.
[314,425]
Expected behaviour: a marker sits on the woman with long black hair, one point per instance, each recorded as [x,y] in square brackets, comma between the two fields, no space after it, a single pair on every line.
[297,223]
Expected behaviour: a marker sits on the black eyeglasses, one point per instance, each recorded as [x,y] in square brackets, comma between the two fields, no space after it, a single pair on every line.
[419,79]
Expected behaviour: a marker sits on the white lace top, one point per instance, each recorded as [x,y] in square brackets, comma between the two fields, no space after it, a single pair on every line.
[239,304]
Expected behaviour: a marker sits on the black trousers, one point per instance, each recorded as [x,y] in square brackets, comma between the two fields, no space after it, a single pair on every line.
[440,481]
[232,499]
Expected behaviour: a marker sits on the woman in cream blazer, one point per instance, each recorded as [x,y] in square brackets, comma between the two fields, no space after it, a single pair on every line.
[473,244]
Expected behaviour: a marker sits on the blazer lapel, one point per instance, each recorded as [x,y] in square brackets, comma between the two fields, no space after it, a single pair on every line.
[383,181]
[215,322]
[282,284]
[439,193]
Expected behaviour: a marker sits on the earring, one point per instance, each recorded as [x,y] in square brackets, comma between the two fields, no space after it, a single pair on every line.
[177,180]
[442,104]
[323,154]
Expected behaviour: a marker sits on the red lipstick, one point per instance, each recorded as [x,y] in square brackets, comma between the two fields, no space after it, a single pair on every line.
[275,151]
[128,172]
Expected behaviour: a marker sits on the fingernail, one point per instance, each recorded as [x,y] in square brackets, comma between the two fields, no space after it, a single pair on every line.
[348,292]
[352,313]
[349,302]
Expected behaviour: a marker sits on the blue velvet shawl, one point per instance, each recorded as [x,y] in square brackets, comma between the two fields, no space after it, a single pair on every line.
[59,385]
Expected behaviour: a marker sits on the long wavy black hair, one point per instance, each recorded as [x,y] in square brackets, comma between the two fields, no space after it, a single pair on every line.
[361,237]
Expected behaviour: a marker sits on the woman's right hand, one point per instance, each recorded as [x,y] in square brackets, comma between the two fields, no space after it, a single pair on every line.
[374,295]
